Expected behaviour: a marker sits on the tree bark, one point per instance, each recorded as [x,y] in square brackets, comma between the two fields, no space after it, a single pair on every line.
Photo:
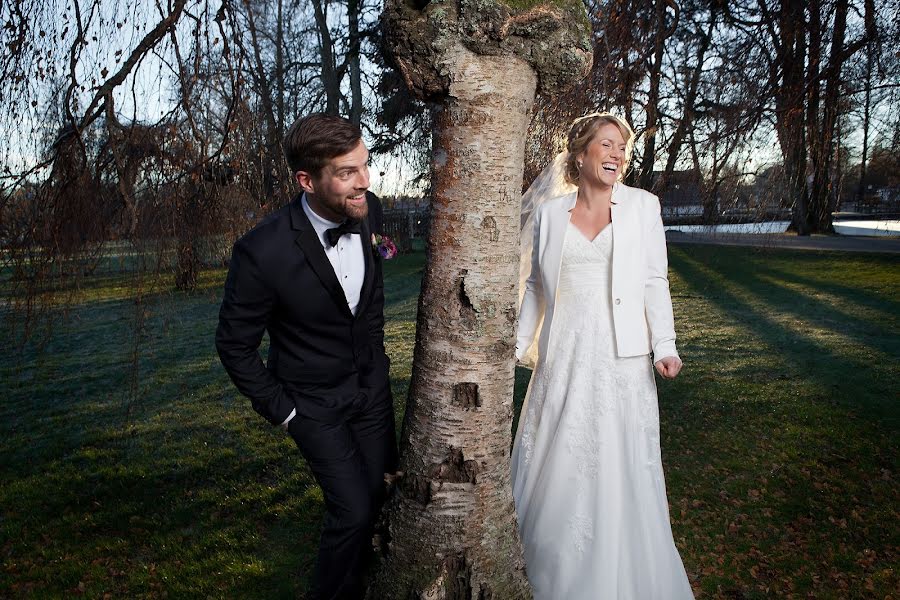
[354,41]
[789,107]
[330,80]
[652,108]
[861,189]
[814,123]
[453,525]
[822,199]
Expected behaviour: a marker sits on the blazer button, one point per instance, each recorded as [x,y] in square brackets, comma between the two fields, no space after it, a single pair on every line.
[618,301]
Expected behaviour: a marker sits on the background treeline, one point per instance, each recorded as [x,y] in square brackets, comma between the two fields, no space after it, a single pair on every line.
[146,135]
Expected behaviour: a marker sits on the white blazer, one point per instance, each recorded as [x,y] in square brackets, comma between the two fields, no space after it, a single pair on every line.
[642,307]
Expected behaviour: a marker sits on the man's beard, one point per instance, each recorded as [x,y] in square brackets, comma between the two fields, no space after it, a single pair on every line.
[356,213]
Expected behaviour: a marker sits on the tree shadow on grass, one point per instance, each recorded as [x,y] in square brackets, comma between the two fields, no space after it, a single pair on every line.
[877,335]
[746,302]
[885,306]
[776,431]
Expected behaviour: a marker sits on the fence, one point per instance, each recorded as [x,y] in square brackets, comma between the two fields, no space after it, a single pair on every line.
[403,225]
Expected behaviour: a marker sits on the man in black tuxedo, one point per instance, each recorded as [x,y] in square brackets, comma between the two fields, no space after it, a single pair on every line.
[309,275]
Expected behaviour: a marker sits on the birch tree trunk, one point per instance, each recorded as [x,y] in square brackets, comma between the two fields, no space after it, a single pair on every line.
[452,524]
[460,406]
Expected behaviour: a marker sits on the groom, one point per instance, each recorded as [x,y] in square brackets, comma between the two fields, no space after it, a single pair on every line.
[308,275]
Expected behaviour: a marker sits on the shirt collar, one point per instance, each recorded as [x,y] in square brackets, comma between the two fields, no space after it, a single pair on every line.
[320,224]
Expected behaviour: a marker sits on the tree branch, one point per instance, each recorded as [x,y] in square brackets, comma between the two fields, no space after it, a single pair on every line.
[146,44]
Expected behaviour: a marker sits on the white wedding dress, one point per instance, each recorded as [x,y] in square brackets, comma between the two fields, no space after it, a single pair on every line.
[586,471]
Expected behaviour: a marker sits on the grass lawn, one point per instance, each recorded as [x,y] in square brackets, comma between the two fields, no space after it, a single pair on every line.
[779,439]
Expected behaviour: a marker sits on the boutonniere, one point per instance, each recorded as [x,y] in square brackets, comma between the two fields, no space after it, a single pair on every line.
[383,246]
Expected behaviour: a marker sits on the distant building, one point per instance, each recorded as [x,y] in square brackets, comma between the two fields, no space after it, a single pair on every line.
[875,200]
[682,197]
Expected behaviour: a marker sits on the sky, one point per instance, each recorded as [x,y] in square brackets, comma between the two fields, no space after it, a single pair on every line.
[147,94]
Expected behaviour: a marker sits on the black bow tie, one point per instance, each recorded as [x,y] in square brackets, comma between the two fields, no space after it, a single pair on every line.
[335,233]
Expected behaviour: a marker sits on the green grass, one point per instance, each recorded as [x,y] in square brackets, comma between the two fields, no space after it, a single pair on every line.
[779,439]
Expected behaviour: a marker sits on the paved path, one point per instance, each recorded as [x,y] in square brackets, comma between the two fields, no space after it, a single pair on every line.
[783,240]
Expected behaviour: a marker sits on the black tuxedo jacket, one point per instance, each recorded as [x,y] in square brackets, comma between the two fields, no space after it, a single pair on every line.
[321,356]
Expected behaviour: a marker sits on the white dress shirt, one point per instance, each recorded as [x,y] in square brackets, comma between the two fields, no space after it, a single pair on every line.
[346,258]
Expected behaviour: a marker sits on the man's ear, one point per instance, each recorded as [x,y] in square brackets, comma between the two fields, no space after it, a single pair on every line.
[305,181]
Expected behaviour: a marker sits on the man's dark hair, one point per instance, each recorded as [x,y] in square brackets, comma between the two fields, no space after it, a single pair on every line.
[315,139]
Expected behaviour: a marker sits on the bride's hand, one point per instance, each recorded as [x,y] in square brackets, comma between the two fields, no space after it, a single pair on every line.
[668,367]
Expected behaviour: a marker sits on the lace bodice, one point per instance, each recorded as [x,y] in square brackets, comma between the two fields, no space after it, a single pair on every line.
[586,264]
[584,299]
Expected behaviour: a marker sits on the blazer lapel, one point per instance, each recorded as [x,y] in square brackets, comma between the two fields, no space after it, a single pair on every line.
[558,223]
[626,228]
[312,248]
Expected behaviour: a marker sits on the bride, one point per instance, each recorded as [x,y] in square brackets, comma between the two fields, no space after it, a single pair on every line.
[587,476]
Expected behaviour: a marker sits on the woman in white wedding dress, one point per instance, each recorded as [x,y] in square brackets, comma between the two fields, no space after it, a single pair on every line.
[587,476]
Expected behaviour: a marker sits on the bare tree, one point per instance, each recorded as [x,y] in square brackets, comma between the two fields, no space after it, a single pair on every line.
[662,31]
[806,88]
[701,28]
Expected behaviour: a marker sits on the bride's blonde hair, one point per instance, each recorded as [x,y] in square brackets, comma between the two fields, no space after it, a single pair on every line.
[582,133]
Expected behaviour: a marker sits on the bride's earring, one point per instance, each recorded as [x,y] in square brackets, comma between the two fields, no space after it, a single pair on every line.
[579,163]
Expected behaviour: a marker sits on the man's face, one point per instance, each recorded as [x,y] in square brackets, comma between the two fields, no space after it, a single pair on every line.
[338,192]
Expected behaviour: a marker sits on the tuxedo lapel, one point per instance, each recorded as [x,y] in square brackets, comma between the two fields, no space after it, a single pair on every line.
[312,248]
[365,235]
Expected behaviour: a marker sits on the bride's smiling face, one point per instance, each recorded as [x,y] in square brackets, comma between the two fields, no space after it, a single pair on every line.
[603,161]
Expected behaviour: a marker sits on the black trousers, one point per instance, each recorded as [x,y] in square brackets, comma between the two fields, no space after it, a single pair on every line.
[348,459]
